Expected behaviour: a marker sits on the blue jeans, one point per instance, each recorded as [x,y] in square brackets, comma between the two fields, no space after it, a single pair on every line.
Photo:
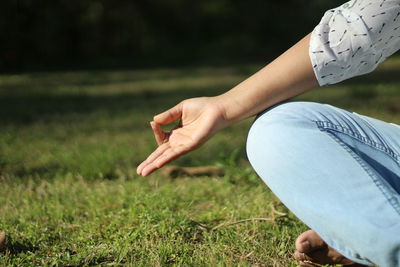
[338,172]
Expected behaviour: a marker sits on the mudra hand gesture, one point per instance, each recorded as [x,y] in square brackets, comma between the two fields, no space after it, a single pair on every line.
[199,119]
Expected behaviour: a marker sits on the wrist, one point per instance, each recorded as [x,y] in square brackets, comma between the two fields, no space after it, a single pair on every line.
[225,108]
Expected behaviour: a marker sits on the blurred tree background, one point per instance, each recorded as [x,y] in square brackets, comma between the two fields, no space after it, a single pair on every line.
[48,34]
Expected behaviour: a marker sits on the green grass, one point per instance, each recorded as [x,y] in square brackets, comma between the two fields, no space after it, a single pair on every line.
[69,195]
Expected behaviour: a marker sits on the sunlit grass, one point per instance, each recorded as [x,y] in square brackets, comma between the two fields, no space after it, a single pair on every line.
[69,194]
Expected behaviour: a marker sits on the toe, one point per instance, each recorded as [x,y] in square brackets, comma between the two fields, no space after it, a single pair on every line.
[300,256]
[323,256]
[309,241]
[304,260]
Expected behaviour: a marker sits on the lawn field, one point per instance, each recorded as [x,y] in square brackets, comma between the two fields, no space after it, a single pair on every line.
[69,194]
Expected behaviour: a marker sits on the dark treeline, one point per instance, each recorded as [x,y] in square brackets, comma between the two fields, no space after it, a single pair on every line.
[47,34]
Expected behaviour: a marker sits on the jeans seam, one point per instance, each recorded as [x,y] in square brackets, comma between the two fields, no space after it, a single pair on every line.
[325,125]
[392,200]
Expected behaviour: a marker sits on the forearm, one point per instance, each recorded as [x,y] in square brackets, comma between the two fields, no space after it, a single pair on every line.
[289,75]
[345,44]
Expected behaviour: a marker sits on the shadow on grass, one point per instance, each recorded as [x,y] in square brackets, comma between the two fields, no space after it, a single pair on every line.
[15,247]
[43,171]
[26,108]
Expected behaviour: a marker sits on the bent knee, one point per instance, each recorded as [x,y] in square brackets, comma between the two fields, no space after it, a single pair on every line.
[277,133]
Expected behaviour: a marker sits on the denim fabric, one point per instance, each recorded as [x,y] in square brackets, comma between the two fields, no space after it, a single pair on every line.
[338,172]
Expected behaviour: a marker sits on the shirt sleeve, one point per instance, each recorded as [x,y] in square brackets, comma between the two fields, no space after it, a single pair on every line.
[354,39]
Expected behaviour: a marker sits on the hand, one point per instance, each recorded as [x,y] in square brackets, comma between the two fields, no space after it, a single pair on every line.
[199,119]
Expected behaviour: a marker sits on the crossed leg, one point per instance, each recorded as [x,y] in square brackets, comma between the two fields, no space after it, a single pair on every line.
[338,172]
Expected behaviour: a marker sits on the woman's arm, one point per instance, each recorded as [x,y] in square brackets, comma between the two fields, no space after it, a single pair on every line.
[350,40]
[289,75]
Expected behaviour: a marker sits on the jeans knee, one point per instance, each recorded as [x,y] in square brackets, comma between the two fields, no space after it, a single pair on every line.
[275,140]
[268,133]
[264,139]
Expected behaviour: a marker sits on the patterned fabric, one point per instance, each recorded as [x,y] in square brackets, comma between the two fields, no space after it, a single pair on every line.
[354,38]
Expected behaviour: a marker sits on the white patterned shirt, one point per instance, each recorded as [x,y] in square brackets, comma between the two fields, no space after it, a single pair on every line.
[354,38]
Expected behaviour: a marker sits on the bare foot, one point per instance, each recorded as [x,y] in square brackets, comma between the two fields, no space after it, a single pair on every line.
[312,251]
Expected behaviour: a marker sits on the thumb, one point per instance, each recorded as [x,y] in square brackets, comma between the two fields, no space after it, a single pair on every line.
[170,115]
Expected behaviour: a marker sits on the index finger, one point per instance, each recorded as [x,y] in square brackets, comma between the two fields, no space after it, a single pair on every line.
[159,134]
